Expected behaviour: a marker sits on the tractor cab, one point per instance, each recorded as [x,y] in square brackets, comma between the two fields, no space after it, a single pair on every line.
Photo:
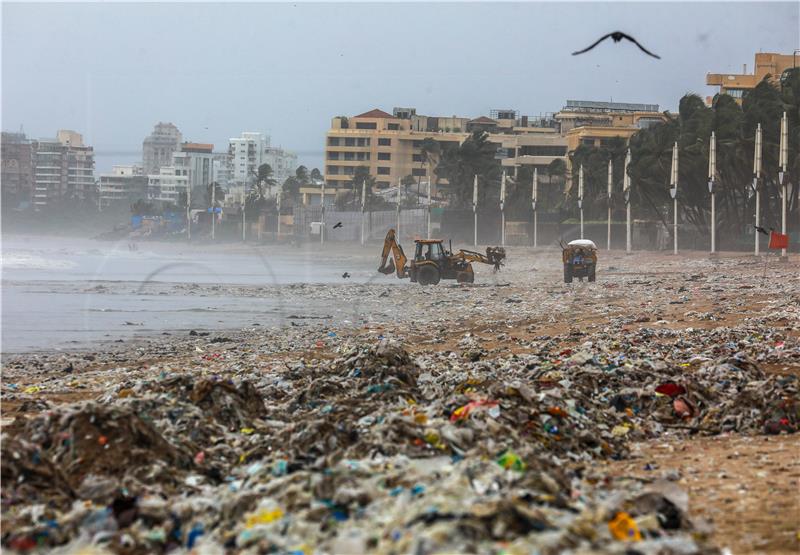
[429,250]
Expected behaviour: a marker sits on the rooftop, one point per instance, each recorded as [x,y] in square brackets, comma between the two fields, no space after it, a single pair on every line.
[595,106]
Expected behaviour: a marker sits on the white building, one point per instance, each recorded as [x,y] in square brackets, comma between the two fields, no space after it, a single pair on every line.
[62,168]
[168,185]
[196,161]
[251,150]
[158,148]
[124,184]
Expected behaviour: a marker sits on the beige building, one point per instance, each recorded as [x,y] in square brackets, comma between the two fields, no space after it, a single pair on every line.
[390,145]
[766,63]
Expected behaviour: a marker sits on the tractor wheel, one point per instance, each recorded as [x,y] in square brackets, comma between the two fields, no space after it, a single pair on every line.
[465,277]
[590,273]
[567,273]
[428,275]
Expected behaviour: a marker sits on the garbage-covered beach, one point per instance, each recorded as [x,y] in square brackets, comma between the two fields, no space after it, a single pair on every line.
[515,415]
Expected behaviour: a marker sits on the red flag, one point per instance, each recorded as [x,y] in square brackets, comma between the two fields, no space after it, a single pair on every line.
[778,240]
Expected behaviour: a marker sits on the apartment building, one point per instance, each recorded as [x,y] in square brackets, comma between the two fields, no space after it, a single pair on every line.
[16,177]
[63,168]
[196,161]
[169,185]
[125,184]
[766,64]
[387,144]
[250,150]
[159,146]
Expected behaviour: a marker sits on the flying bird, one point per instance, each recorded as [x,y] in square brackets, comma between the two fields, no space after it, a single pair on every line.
[618,36]
[345,275]
[338,225]
[761,229]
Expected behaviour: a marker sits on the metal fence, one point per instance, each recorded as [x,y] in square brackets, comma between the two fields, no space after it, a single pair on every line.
[413,223]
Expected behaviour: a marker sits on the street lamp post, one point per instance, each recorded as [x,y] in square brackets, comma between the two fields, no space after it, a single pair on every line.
[280,191]
[580,196]
[712,172]
[626,191]
[213,209]
[673,191]
[189,213]
[756,178]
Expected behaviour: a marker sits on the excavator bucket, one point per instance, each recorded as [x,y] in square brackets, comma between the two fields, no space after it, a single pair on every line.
[496,256]
[387,268]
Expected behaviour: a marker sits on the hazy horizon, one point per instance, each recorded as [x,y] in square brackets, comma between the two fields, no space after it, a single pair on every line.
[111,71]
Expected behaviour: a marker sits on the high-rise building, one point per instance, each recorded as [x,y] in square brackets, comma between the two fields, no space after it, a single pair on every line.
[195,160]
[766,64]
[63,168]
[158,148]
[16,178]
[125,184]
[251,150]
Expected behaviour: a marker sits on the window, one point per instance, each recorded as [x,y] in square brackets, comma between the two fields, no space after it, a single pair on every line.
[587,142]
[416,157]
[348,170]
[384,142]
[394,126]
[333,170]
[417,172]
[383,184]
[333,156]
[349,156]
[543,150]
[349,142]
[384,156]
[333,141]
[362,155]
[362,142]
[735,93]
[416,144]
[383,171]
[366,125]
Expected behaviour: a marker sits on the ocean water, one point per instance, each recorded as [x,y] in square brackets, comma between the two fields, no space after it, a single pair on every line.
[62,293]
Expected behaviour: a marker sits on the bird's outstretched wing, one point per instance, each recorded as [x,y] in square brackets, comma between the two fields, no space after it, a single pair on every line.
[601,39]
[642,48]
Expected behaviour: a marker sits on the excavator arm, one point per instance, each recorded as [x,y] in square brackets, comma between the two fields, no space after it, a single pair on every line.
[494,255]
[398,260]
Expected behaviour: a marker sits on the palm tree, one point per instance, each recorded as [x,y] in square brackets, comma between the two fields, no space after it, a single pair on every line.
[265,179]
[430,151]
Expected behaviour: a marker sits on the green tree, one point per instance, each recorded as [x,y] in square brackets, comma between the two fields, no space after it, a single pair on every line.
[316,175]
[459,165]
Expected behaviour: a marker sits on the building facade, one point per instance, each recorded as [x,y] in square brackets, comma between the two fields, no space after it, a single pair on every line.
[390,146]
[159,146]
[63,168]
[251,150]
[766,64]
[196,161]
[16,178]
[170,185]
[125,184]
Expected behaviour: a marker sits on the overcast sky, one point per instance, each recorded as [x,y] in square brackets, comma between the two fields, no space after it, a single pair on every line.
[112,71]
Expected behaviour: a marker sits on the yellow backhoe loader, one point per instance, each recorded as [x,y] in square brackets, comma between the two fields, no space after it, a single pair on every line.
[432,262]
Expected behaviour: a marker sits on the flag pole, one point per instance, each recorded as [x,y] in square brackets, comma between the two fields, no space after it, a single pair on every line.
[784,160]
[674,192]
[363,210]
[475,210]
[626,189]
[429,208]
[503,210]
[398,208]
[580,196]
[712,172]
[322,223]
[610,179]
[756,177]
[534,193]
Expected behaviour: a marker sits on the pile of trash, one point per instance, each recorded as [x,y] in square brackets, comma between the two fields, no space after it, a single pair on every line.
[379,451]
